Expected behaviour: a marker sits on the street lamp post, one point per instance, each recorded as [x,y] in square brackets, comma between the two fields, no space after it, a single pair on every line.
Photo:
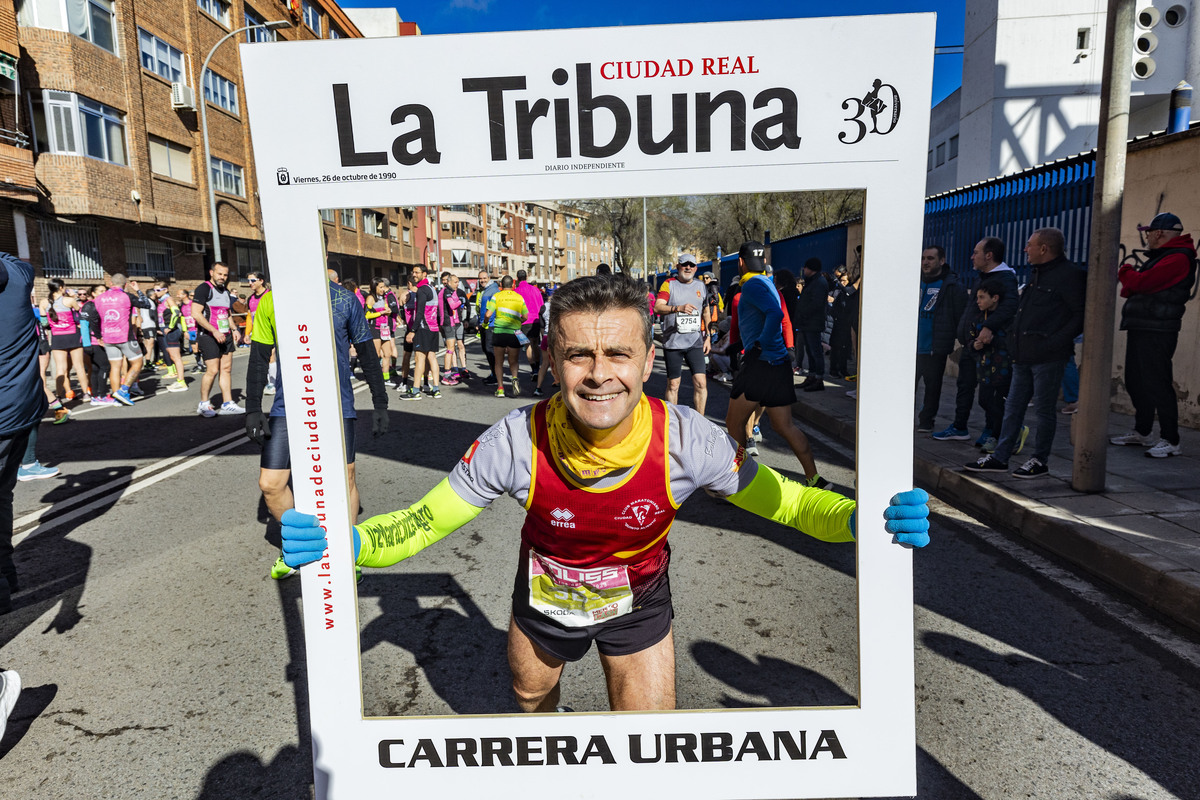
[212,196]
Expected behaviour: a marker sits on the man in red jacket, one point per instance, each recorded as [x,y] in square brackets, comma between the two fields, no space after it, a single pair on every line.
[1157,292]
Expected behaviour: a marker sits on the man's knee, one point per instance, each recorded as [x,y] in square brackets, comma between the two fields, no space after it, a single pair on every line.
[272,482]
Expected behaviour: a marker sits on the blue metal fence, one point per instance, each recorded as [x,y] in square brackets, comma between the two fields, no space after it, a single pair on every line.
[1053,195]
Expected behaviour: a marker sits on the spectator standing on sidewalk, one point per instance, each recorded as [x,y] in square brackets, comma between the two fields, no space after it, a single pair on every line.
[940,307]
[1157,293]
[993,362]
[988,260]
[1042,339]
[839,336]
[22,401]
[812,308]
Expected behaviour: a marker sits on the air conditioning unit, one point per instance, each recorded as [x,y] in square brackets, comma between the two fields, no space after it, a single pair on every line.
[196,243]
[182,96]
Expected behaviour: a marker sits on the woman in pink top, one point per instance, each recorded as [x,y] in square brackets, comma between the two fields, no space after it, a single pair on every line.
[60,308]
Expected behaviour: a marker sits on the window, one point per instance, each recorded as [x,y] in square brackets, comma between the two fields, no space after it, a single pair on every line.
[220,92]
[159,57]
[371,223]
[71,251]
[93,20]
[312,16]
[249,258]
[954,146]
[393,231]
[170,159]
[259,33]
[334,33]
[152,259]
[226,177]
[348,218]
[407,234]
[327,215]
[941,154]
[929,162]
[217,9]
[1083,38]
[57,116]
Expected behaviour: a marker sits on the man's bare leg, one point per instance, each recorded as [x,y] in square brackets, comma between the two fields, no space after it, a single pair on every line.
[781,421]
[672,395]
[536,673]
[226,377]
[273,483]
[699,393]
[642,681]
[737,418]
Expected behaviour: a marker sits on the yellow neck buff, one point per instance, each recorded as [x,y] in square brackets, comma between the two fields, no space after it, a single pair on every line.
[586,461]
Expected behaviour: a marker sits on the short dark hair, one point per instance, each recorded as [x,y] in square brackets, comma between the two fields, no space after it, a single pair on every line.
[813,263]
[599,294]
[941,251]
[994,246]
[522,274]
[506,282]
[993,287]
[603,269]
[1053,238]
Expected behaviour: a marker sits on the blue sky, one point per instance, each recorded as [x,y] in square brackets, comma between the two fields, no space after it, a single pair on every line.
[472,16]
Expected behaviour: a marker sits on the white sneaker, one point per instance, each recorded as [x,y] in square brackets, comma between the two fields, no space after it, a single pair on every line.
[852,394]
[231,409]
[1164,449]
[177,386]
[1133,438]
[269,388]
[10,690]
[205,409]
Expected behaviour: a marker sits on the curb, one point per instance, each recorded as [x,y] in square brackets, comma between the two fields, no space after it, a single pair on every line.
[1164,585]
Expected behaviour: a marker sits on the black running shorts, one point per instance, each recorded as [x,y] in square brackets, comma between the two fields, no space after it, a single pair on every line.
[771,385]
[275,449]
[426,341]
[643,627]
[211,349]
[694,356]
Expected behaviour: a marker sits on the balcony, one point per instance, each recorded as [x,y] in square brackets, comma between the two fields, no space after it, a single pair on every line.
[17,179]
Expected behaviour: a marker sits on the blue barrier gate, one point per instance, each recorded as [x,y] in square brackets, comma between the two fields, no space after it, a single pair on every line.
[1011,207]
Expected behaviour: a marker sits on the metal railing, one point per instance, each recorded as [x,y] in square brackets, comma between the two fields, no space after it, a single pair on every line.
[71,251]
[15,138]
[1011,207]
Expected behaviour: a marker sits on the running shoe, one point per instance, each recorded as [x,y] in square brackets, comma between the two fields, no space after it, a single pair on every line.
[87,398]
[178,386]
[434,392]
[10,690]
[106,400]
[269,388]
[447,375]
[198,368]
[515,391]
[280,570]
[852,394]
[1033,468]
[988,463]
[752,450]
[136,390]
[171,372]
[983,437]
[411,394]
[450,380]
[817,482]
[490,380]
[1133,438]
[230,409]
[122,396]
[35,472]
[853,377]
[1021,437]
[1164,449]
[205,409]
[70,395]
[538,392]
[953,434]
[61,415]
[1070,408]
[924,427]
[989,444]
[757,433]
[500,392]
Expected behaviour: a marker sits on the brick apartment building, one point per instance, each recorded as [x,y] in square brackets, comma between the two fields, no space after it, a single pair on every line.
[101,160]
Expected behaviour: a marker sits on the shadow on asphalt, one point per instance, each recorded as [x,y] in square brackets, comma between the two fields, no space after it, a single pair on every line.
[30,705]
[784,683]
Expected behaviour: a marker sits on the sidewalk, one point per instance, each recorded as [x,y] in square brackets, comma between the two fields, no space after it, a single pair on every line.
[1141,534]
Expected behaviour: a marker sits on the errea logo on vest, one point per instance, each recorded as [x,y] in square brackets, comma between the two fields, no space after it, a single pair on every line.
[562,518]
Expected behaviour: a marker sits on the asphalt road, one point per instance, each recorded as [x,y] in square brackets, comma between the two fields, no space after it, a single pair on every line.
[160,660]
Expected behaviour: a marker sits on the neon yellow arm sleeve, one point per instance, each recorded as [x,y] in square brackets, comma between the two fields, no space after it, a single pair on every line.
[819,513]
[389,538]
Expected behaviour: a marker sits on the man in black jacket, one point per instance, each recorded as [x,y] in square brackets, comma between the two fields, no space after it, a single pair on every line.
[1042,340]
[939,308]
[812,308]
[988,260]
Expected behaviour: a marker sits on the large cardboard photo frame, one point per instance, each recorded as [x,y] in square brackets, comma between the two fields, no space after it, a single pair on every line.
[781,105]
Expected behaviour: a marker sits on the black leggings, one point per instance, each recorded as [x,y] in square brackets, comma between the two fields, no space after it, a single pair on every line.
[100,369]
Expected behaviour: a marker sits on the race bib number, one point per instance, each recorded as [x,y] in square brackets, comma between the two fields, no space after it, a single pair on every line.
[577,598]
[222,319]
[385,331]
[687,323]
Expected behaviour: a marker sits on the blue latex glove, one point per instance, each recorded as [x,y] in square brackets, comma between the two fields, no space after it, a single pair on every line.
[908,518]
[303,539]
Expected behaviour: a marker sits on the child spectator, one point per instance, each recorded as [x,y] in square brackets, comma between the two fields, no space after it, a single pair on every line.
[993,363]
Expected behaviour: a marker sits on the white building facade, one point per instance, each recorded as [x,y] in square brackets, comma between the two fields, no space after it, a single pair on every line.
[1031,84]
